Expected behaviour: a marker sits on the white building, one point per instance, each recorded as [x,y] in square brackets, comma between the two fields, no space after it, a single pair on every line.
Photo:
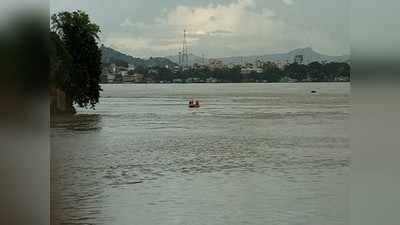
[249,70]
[113,68]
[124,73]
[110,77]
[215,64]
[281,64]
[131,67]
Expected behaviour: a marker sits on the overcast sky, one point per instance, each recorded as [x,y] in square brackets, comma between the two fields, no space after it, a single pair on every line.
[218,28]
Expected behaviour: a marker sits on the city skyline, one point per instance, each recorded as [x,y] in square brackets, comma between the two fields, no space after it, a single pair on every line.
[218,28]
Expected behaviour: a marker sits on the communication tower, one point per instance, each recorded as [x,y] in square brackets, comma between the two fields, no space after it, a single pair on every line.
[184,59]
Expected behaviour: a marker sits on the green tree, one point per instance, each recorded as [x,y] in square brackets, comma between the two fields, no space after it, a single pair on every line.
[332,70]
[296,71]
[141,69]
[272,72]
[121,63]
[60,62]
[79,36]
[315,71]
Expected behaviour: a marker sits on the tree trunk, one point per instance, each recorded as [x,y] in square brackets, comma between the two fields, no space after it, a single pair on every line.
[60,103]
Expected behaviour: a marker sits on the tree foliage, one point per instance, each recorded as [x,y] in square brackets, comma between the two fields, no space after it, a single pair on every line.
[81,60]
[60,62]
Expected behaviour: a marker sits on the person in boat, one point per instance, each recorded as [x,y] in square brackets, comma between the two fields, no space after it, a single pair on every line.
[197,104]
[190,102]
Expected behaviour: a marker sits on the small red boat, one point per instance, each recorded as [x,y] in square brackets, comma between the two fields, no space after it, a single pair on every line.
[194,104]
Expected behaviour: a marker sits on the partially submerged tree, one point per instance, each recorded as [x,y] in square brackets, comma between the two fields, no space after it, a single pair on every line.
[79,37]
[60,63]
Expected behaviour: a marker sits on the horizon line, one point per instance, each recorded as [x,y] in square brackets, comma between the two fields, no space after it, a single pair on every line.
[221,57]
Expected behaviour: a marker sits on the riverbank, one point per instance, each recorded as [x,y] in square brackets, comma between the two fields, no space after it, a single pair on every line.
[166,82]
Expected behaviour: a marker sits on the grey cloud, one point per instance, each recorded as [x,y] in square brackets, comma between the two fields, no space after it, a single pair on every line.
[224,28]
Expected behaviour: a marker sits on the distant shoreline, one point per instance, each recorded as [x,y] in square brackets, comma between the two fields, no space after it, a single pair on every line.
[303,82]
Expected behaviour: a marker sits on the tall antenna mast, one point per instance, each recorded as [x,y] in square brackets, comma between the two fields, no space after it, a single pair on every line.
[180,58]
[185,52]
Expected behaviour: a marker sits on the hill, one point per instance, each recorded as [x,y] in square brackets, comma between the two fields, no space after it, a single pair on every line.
[308,53]
[110,55]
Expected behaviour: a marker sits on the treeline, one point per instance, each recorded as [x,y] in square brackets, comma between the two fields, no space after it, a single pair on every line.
[270,72]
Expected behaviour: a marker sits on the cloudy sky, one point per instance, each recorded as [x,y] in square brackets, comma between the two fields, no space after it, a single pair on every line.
[218,28]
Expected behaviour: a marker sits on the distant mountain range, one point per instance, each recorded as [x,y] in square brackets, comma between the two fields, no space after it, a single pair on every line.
[309,56]
[110,55]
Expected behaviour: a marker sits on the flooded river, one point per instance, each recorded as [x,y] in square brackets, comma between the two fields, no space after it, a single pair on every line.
[256,154]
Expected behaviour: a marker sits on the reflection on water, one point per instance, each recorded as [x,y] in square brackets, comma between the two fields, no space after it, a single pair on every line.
[252,154]
[80,122]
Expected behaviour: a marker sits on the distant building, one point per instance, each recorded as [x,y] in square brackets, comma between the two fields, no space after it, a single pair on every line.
[118,78]
[250,68]
[281,64]
[231,65]
[113,68]
[246,70]
[104,72]
[131,67]
[121,68]
[211,80]
[124,73]
[129,78]
[110,78]
[177,80]
[176,69]
[259,64]
[138,78]
[215,64]
[198,66]
[248,65]
[114,73]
